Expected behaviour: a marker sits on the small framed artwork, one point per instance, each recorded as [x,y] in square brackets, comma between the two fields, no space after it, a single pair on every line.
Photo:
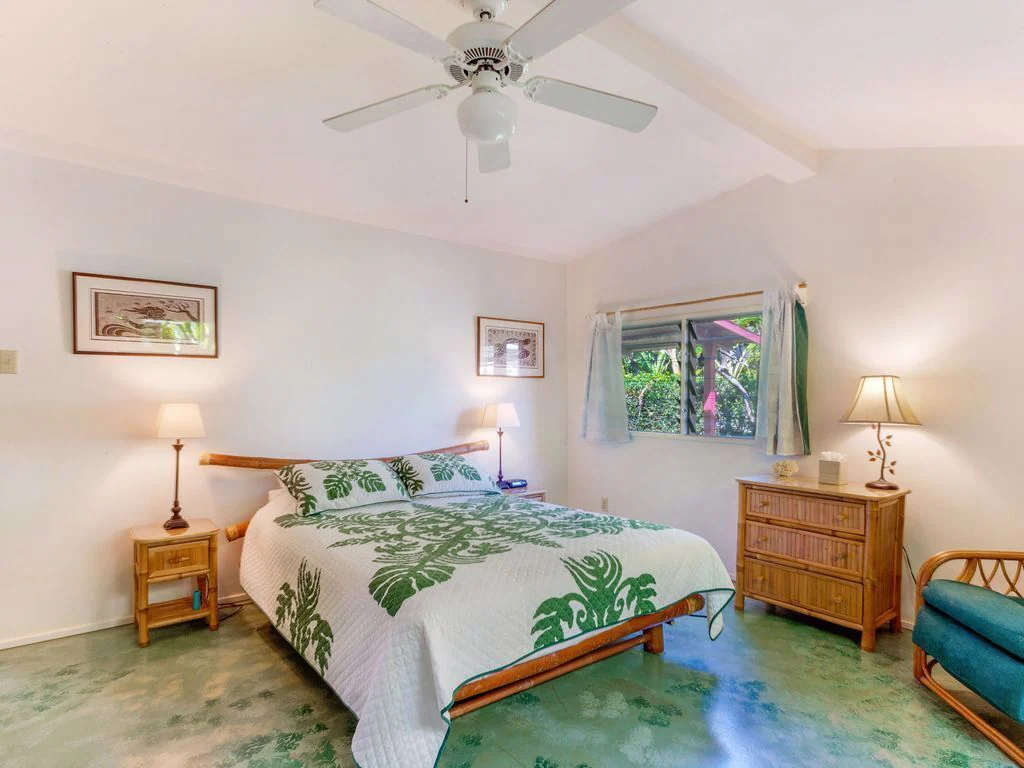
[509,348]
[114,315]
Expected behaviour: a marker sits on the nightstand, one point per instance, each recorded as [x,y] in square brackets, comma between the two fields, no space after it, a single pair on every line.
[162,555]
[527,493]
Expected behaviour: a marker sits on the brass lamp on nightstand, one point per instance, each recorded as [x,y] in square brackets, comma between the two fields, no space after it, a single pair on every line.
[502,415]
[879,401]
[178,420]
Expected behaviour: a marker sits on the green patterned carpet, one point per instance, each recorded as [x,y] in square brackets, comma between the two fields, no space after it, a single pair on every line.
[774,690]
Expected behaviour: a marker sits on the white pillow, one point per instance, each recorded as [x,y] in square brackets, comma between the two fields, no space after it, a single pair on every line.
[325,485]
[429,474]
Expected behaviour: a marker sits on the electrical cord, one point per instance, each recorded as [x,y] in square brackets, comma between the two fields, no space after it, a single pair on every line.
[237,606]
[910,565]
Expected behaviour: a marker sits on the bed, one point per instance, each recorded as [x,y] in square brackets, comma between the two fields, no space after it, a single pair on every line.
[417,612]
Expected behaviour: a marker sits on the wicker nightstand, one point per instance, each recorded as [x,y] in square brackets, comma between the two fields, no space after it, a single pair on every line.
[527,493]
[162,555]
[828,551]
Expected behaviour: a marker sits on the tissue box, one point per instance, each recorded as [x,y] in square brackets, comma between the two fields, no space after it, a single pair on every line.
[831,472]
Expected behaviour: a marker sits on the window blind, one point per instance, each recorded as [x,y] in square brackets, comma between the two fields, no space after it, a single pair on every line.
[641,338]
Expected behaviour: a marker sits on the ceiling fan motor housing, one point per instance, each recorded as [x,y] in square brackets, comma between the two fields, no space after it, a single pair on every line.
[488,116]
[482,44]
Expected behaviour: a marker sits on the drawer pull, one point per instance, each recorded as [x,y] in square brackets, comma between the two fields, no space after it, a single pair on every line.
[765,503]
[843,516]
[178,560]
[762,540]
[837,599]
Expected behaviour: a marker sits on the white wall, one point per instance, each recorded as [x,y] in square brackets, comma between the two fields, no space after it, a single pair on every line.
[336,340]
[914,265]
[340,340]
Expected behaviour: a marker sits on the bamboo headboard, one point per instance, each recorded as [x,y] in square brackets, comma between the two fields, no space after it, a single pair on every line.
[237,531]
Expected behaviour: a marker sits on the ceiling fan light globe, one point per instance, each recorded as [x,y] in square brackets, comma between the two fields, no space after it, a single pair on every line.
[488,117]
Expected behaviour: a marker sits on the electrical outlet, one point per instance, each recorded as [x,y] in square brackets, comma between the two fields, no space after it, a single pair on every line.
[8,361]
[604,503]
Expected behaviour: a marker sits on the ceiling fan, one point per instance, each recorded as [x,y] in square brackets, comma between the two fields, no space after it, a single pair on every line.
[490,57]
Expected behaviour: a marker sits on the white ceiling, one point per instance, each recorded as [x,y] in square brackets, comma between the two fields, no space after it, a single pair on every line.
[863,73]
[228,96]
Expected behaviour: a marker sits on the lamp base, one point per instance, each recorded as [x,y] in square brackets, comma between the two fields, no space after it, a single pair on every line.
[882,485]
[175,522]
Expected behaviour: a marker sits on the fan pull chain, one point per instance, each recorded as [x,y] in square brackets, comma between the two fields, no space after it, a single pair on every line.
[467,171]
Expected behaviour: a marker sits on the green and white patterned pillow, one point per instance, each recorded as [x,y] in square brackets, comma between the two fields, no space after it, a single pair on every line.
[325,485]
[431,474]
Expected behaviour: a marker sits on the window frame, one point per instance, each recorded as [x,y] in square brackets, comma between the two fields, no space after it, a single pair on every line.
[684,319]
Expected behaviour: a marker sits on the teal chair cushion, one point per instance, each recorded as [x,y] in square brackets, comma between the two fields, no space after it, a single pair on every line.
[985,668]
[997,618]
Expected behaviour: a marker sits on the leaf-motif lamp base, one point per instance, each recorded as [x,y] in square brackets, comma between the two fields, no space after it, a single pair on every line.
[882,485]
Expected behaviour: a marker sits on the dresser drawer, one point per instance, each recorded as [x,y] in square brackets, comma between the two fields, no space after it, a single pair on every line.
[173,560]
[806,547]
[823,513]
[801,589]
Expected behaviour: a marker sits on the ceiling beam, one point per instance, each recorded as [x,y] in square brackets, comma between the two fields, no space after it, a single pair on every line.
[789,158]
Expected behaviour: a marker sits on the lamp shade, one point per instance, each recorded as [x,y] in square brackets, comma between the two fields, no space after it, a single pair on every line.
[180,420]
[500,415]
[880,400]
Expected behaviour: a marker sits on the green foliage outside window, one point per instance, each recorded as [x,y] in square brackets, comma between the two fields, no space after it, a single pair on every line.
[653,391]
[654,387]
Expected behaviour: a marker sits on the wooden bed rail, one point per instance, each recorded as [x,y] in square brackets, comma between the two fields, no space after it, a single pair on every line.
[237,531]
[526,674]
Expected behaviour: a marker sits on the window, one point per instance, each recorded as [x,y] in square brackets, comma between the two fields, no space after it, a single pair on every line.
[666,364]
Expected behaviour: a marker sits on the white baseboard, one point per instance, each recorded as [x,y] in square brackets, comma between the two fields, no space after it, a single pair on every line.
[95,626]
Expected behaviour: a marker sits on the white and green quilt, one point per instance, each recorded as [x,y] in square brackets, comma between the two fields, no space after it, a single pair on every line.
[398,604]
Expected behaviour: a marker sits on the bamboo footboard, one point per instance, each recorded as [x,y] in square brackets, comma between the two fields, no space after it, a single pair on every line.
[643,630]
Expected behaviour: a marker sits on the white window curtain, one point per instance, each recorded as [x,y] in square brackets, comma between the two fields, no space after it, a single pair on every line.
[782,428]
[604,392]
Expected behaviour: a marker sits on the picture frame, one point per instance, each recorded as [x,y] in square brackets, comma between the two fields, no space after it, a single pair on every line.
[116,315]
[509,348]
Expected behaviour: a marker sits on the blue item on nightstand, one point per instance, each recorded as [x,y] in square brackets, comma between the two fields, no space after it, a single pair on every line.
[197,600]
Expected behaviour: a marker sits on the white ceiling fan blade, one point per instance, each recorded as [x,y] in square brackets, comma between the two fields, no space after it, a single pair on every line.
[557,22]
[384,23]
[357,118]
[494,157]
[586,102]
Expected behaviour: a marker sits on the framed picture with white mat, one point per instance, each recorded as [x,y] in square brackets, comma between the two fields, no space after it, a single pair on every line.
[114,315]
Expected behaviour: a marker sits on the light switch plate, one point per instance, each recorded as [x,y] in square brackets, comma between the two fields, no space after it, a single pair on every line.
[8,361]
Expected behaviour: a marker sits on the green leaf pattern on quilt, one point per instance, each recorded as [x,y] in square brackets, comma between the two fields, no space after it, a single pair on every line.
[299,488]
[407,474]
[343,474]
[443,467]
[603,597]
[297,608]
[421,545]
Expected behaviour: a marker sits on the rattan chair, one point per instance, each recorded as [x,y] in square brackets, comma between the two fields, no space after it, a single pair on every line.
[973,627]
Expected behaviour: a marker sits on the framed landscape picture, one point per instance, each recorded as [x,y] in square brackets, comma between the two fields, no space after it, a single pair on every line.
[509,348]
[129,316]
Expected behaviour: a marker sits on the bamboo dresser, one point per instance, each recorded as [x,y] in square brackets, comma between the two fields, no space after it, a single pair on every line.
[830,551]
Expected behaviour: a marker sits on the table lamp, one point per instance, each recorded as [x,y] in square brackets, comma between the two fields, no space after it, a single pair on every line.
[178,420]
[501,415]
[879,401]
